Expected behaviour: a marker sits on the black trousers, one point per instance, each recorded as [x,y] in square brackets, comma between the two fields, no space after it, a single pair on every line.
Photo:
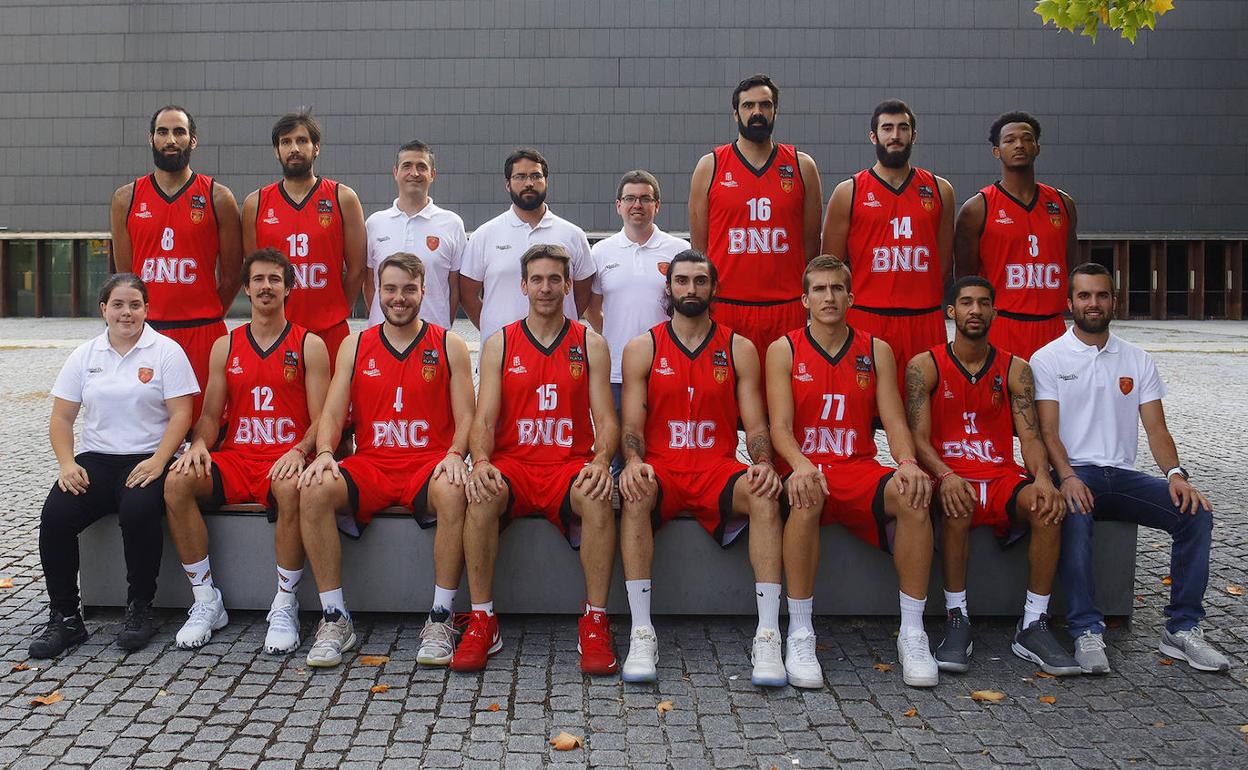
[139,511]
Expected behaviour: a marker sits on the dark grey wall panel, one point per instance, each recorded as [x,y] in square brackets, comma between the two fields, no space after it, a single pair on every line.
[1145,137]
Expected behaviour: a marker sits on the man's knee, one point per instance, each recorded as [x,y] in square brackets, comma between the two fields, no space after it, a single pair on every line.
[180,488]
[593,512]
[285,493]
[898,506]
[447,501]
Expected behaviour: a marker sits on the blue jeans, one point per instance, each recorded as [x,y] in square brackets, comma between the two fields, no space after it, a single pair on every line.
[1122,495]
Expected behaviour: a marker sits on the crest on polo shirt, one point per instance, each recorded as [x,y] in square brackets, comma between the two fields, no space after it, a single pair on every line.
[663,268]
[1126,385]
[325,207]
[576,361]
[198,204]
[719,366]
[145,374]
[927,197]
[429,364]
[432,242]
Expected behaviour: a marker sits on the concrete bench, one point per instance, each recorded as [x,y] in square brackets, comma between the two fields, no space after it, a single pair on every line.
[391,570]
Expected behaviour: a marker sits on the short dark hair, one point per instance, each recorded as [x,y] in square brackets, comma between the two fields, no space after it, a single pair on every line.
[405,261]
[755,80]
[122,279]
[546,251]
[273,257]
[1088,268]
[638,176]
[969,280]
[190,121]
[292,120]
[691,256]
[1018,116]
[827,262]
[525,153]
[415,146]
[892,107]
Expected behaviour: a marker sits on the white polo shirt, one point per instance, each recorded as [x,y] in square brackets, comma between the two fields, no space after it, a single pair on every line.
[433,234]
[123,397]
[630,277]
[1098,393]
[493,258]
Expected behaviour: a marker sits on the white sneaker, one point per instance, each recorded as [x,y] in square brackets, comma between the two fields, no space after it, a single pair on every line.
[283,635]
[437,641]
[207,614]
[767,660]
[335,634]
[800,662]
[643,656]
[918,667]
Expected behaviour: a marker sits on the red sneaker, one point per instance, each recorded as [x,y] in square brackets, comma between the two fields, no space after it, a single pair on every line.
[597,651]
[479,642]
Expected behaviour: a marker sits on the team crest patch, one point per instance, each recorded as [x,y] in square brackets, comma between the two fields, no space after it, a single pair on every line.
[429,365]
[864,380]
[1055,213]
[1125,384]
[927,197]
[326,208]
[432,242]
[576,361]
[291,358]
[290,373]
[862,363]
[198,204]
[719,366]
[145,374]
[785,172]
[663,268]
[998,391]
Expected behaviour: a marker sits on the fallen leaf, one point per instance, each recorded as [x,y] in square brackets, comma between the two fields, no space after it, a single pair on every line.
[1159,724]
[492,707]
[883,668]
[161,692]
[822,648]
[1166,580]
[21,667]
[990,696]
[379,688]
[373,660]
[911,713]
[1235,590]
[1047,699]
[664,706]
[565,741]
[1166,661]
[1243,729]
[1043,675]
[6,582]
[47,700]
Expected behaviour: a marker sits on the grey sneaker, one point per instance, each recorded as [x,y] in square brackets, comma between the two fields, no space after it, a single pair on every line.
[334,635]
[437,640]
[1090,653]
[954,652]
[1037,644]
[1191,646]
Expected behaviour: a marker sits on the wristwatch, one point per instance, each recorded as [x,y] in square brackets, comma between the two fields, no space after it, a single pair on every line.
[1179,469]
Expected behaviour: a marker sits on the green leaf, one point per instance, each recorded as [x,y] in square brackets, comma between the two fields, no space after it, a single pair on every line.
[1047,10]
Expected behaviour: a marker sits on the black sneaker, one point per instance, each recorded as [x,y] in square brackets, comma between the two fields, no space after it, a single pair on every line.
[61,633]
[1037,644]
[138,627]
[954,651]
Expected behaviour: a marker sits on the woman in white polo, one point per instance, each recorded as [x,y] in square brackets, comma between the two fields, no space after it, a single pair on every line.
[134,387]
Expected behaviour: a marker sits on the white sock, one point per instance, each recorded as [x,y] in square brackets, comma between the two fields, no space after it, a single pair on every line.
[956,599]
[332,600]
[911,614]
[799,615]
[486,607]
[639,602]
[1034,607]
[591,608]
[768,606]
[200,573]
[288,579]
[443,597]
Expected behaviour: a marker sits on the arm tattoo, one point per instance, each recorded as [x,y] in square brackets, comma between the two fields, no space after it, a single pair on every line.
[759,447]
[1024,404]
[916,393]
[634,445]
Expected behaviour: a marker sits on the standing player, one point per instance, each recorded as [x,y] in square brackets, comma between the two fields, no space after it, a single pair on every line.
[1020,235]
[267,381]
[406,385]
[317,223]
[827,384]
[965,438]
[686,383]
[178,230]
[754,209]
[415,224]
[535,452]
[491,269]
[893,225]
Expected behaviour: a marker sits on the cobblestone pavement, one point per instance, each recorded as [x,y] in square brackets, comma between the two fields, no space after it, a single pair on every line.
[230,706]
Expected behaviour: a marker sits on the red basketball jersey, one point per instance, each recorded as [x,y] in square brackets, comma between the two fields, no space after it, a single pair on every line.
[755,226]
[310,235]
[833,398]
[691,400]
[174,247]
[1022,250]
[892,242]
[266,394]
[972,425]
[401,399]
[545,417]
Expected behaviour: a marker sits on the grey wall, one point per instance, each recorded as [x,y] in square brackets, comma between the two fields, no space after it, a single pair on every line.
[1145,137]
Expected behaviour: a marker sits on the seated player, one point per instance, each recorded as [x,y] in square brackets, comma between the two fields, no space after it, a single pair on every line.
[686,383]
[407,386]
[536,453]
[964,401]
[827,384]
[266,383]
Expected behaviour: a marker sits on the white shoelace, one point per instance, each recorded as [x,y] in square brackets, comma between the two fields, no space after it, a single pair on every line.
[283,619]
[802,650]
[915,646]
[202,612]
[1091,643]
[439,633]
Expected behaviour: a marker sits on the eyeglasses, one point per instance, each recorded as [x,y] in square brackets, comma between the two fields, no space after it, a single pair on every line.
[536,176]
[631,199]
